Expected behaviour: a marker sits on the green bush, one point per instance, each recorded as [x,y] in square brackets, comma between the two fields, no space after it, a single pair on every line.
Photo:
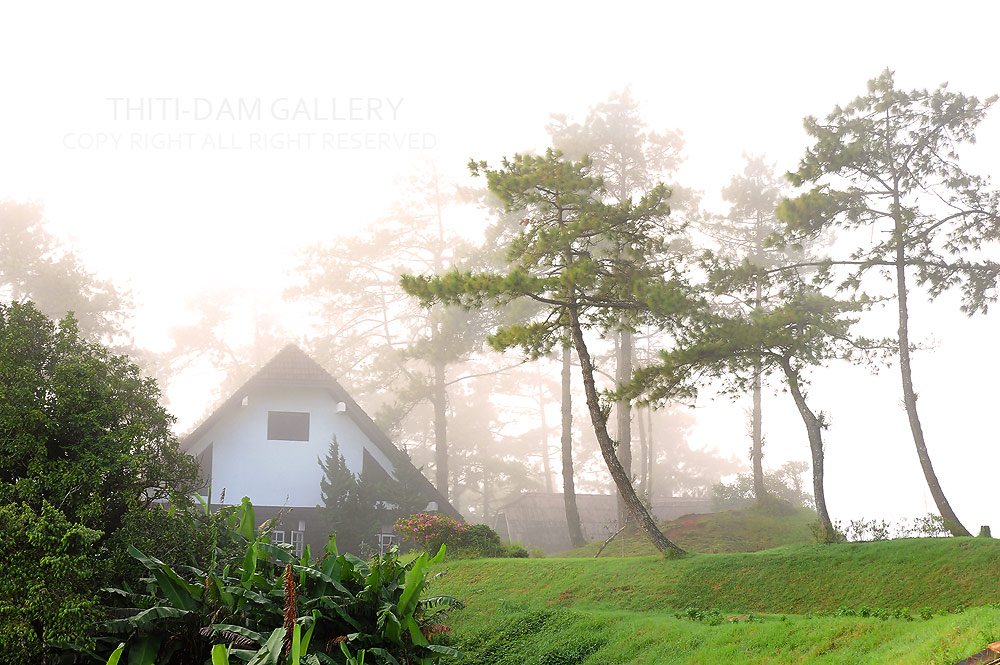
[479,541]
[429,532]
[45,587]
[268,600]
[82,430]
[784,483]
[482,541]
[180,535]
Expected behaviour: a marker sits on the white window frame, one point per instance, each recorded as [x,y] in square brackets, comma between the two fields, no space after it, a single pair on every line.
[385,540]
[298,541]
[278,537]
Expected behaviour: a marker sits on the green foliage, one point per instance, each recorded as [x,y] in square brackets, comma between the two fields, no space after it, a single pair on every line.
[86,447]
[34,267]
[779,606]
[352,505]
[711,617]
[610,260]
[806,329]
[900,613]
[479,540]
[784,483]
[355,507]
[181,535]
[431,531]
[45,585]
[867,529]
[586,264]
[83,428]
[267,601]
[890,159]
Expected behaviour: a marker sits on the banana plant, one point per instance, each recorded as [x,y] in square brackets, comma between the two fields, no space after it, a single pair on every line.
[266,607]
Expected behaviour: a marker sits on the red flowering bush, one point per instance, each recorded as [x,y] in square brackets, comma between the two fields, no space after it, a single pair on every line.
[429,532]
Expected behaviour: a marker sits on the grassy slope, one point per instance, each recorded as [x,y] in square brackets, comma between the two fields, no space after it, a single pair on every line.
[623,610]
[749,530]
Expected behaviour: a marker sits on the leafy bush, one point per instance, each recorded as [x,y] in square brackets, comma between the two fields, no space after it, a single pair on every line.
[270,603]
[901,613]
[785,483]
[484,540]
[867,530]
[479,541]
[931,526]
[182,534]
[711,617]
[83,431]
[430,531]
[45,595]
[81,426]
[355,507]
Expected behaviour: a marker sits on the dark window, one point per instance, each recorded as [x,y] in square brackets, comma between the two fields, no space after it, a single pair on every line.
[287,426]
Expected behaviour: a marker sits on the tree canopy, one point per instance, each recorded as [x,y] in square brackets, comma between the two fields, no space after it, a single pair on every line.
[35,266]
[589,263]
[80,428]
[888,162]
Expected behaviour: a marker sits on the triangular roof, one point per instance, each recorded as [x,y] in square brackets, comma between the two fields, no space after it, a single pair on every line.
[293,367]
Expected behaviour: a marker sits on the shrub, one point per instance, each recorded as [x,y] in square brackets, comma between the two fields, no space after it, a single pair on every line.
[516,551]
[269,600]
[45,595]
[429,532]
[785,483]
[479,540]
[867,530]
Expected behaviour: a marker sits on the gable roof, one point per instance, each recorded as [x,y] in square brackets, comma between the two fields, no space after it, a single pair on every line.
[292,367]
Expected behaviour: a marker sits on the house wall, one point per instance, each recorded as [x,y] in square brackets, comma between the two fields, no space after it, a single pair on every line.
[281,473]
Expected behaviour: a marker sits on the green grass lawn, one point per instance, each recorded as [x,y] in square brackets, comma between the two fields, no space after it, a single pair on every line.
[632,610]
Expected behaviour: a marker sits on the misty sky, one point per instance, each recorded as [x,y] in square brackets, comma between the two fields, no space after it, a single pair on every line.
[200,146]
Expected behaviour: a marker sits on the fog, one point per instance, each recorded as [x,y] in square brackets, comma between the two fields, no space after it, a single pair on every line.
[192,155]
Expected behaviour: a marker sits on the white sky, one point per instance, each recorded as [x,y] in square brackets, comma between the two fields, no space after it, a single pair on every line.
[213,209]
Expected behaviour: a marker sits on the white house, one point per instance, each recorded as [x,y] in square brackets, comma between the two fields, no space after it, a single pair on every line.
[265,441]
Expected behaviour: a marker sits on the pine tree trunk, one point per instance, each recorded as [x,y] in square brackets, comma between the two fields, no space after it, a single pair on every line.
[440,401]
[576,536]
[757,452]
[623,414]
[815,432]
[910,399]
[546,462]
[643,451]
[604,440]
[651,465]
